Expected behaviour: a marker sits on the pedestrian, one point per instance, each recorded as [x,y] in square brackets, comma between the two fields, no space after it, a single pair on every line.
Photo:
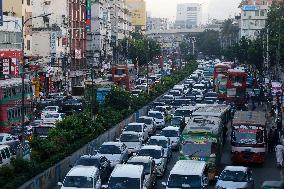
[270,141]
[279,149]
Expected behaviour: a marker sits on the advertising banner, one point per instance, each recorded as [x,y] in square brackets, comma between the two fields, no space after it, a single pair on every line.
[53,39]
[138,10]
[1,13]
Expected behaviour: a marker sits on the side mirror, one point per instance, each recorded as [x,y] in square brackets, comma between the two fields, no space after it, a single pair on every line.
[59,184]
[164,183]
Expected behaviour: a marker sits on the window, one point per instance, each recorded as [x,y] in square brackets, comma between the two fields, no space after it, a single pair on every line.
[262,12]
[257,13]
[28,2]
[28,45]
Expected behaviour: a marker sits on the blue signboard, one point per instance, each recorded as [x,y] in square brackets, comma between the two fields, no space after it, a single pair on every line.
[1,13]
[250,8]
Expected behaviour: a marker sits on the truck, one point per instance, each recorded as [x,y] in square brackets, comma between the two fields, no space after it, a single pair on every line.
[248,137]
[201,140]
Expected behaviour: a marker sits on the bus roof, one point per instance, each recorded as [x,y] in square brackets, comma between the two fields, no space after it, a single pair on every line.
[250,117]
[211,110]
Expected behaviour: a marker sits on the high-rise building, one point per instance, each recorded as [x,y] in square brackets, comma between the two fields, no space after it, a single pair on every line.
[138,14]
[157,23]
[253,17]
[188,15]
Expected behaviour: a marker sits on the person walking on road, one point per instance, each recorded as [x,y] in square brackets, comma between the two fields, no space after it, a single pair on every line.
[279,149]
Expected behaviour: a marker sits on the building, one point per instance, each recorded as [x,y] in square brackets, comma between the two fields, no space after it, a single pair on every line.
[121,25]
[99,37]
[253,20]
[157,23]
[188,15]
[138,14]
[21,9]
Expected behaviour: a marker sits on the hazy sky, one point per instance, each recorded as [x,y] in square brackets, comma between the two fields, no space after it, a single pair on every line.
[220,9]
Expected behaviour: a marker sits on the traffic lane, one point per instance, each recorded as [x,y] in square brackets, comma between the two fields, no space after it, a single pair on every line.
[267,171]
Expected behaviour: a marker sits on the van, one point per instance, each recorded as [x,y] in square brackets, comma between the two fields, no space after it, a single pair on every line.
[188,174]
[5,155]
[126,176]
[82,177]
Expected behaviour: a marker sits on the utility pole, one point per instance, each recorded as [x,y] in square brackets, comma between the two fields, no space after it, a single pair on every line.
[147,61]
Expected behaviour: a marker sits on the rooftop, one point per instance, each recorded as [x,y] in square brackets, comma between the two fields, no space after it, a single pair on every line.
[188,167]
[87,171]
[127,170]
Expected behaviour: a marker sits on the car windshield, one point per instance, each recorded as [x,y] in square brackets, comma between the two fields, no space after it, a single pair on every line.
[183,113]
[169,133]
[135,128]
[147,166]
[155,154]
[156,115]
[163,143]
[245,136]
[196,149]
[235,176]
[109,149]
[200,87]
[129,138]
[174,93]
[78,182]
[52,116]
[211,95]
[184,181]
[51,109]
[123,183]
[176,121]
[1,138]
[88,162]
[144,120]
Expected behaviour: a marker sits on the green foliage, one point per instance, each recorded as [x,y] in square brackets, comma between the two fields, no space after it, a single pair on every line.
[208,43]
[77,130]
[139,49]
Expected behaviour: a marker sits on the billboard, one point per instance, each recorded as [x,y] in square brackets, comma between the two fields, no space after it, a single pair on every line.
[88,15]
[138,12]
[250,8]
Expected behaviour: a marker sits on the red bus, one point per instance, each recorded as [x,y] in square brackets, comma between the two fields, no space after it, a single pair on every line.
[237,86]
[123,76]
[11,103]
[220,79]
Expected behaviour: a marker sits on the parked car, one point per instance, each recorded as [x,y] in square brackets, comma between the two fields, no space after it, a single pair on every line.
[149,122]
[7,139]
[163,142]
[173,133]
[235,177]
[49,109]
[126,176]
[272,185]
[157,153]
[5,155]
[82,177]
[150,172]
[132,140]
[99,161]
[188,174]
[139,128]
[159,118]
[115,152]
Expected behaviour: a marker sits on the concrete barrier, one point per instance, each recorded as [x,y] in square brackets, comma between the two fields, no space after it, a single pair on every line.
[50,177]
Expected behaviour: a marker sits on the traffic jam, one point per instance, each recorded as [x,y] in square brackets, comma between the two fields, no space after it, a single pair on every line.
[180,142]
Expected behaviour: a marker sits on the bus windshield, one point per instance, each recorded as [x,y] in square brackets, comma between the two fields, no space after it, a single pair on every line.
[246,136]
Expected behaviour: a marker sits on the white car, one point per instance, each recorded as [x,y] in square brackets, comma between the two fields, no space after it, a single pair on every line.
[157,153]
[163,142]
[115,152]
[173,133]
[235,177]
[7,139]
[149,122]
[53,117]
[82,177]
[201,87]
[132,140]
[159,118]
[139,128]
[49,109]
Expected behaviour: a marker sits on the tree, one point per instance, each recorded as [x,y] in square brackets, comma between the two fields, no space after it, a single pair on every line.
[208,43]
